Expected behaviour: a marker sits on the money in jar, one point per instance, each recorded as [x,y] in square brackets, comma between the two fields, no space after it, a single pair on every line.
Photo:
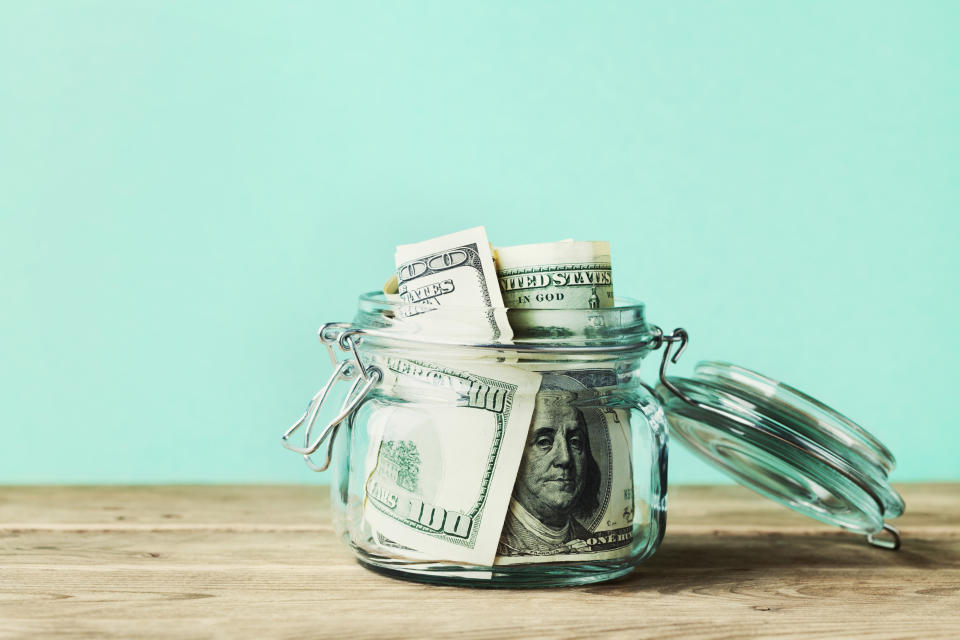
[497,430]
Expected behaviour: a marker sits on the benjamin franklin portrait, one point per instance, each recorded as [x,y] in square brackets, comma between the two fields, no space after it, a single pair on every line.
[557,484]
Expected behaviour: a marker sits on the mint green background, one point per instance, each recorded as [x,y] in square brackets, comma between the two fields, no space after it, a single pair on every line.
[188,190]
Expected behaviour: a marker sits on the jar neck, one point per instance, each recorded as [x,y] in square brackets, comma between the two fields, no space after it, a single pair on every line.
[550,336]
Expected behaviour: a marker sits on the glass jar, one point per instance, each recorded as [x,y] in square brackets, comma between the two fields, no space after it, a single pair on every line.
[542,461]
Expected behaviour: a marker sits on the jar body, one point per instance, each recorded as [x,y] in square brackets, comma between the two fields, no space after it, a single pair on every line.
[585,503]
[537,457]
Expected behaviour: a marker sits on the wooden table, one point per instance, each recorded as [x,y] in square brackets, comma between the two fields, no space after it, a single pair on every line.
[193,562]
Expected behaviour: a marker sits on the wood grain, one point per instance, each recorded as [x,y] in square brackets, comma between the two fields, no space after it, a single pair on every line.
[199,562]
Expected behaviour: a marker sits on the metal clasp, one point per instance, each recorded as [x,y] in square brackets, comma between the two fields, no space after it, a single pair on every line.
[365,378]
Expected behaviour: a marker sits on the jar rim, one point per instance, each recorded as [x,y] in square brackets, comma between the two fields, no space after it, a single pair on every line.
[619,328]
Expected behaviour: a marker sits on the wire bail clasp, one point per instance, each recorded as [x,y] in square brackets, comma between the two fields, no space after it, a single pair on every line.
[679,335]
[330,334]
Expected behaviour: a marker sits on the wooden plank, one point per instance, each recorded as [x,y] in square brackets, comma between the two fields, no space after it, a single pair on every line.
[220,570]
[308,506]
[166,505]
[725,593]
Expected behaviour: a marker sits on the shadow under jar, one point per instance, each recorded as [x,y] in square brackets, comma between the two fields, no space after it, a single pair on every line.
[540,459]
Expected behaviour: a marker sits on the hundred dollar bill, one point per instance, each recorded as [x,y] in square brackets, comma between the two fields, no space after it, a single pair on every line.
[362,532]
[455,271]
[446,459]
[566,274]
[573,498]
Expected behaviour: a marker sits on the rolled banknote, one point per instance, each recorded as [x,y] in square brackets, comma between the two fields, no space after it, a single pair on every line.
[573,498]
[556,275]
[446,457]
[392,285]
[456,272]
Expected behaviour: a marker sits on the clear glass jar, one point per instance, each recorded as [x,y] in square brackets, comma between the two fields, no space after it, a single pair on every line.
[542,460]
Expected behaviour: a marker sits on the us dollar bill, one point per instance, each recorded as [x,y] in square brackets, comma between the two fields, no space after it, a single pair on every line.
[573,497]
[556,275]
[455,271]
[445,458]
[362,531]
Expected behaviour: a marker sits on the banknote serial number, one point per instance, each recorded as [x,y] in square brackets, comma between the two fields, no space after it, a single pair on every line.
[419,514]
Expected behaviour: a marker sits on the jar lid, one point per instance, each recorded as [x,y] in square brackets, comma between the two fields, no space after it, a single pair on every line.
[785,445]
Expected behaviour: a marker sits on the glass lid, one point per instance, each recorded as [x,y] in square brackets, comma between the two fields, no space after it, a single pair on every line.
[783,444]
